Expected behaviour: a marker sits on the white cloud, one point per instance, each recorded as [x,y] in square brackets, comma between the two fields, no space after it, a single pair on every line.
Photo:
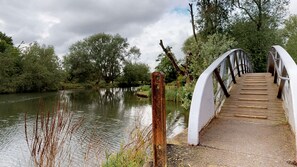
[293,7]
[173,28]
[61,23]
[48,22]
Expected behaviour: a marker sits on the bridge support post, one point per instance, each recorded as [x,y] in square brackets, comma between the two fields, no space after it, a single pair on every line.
[159,120]
[270,64]
[241,62]
[282,83]
[219,79]
[231,70]
[236,59]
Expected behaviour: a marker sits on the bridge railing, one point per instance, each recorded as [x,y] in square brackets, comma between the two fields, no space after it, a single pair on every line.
[212,87]
[284,70]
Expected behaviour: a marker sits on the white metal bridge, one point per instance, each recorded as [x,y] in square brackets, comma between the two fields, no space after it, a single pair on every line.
[234,109]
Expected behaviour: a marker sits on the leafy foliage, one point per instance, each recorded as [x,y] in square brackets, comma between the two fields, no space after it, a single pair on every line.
[213,16]
[5,42]
[204,53]
[35,68]
[40,69]
[10,70]
[98,56]
[290,35]
[135,73]
[255,27]
[167,68]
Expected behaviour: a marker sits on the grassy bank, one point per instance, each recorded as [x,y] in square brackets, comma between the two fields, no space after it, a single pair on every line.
[172,92]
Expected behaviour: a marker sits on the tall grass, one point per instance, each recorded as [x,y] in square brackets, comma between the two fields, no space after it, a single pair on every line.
[136,152]
[49,134]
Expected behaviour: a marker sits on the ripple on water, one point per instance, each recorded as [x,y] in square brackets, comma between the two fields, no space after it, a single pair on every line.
[12,143]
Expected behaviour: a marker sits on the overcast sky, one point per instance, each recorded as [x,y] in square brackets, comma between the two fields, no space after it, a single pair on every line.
[63,22]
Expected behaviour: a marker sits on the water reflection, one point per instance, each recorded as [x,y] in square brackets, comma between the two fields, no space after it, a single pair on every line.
[109,115]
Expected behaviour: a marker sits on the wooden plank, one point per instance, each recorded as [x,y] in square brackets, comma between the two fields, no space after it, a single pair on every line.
[253,93]
[252,106]
[254,84]
[251,116]
[251,99]
[254,89]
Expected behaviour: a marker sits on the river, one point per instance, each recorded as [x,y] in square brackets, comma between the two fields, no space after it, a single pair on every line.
[108,117]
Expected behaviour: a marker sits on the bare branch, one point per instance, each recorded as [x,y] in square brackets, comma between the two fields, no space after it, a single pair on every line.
[246,11]
[172,59]
[193,23]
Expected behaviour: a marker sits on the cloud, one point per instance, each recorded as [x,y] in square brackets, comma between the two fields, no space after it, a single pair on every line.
[62,23]
[293,7]
[173,28]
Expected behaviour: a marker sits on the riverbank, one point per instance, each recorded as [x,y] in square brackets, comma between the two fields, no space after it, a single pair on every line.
[172,92]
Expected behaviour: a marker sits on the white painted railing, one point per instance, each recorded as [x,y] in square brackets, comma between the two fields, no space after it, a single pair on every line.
[284,69]
[208,94]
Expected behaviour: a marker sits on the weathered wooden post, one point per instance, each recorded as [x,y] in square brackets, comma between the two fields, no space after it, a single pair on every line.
[159,120]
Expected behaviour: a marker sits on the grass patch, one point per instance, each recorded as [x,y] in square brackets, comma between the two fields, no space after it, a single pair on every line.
[135,153]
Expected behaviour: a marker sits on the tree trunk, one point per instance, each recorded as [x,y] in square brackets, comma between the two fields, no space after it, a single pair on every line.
[172,59]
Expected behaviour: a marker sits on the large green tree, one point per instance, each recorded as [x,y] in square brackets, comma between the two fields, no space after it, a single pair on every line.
[290,35]
[213,16]
[255,27]
[135,73]
[77,63]
[40,69]
[5,42]
[10,70]
[100,56]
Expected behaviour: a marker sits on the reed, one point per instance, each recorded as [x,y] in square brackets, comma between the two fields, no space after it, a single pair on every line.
[49,134]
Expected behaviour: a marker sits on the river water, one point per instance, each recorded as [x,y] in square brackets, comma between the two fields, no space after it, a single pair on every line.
[108,115]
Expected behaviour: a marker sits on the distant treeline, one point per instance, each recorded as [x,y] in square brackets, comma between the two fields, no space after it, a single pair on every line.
[98,60]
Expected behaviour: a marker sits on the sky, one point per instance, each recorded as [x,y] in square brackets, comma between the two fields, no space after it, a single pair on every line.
[62,23]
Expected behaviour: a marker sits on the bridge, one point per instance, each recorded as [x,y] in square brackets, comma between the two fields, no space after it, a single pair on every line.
[249,119]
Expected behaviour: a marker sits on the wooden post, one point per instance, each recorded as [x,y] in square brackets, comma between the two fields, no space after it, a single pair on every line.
[221,82]
[231,70]
[236,59]
[275,76]
[282,83]
[159,120]
[241,57]
[270,64]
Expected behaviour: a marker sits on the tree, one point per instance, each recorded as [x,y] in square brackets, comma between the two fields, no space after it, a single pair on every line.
[135,73]
[40,69]
[10,70]
[166,67]
[78,64]
[213,16]
[262,12]
[290,35]
[5,42]
[204,53]
[256,27]
[99,56]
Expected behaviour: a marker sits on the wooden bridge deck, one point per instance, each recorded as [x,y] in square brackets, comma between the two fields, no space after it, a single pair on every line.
[250,130]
